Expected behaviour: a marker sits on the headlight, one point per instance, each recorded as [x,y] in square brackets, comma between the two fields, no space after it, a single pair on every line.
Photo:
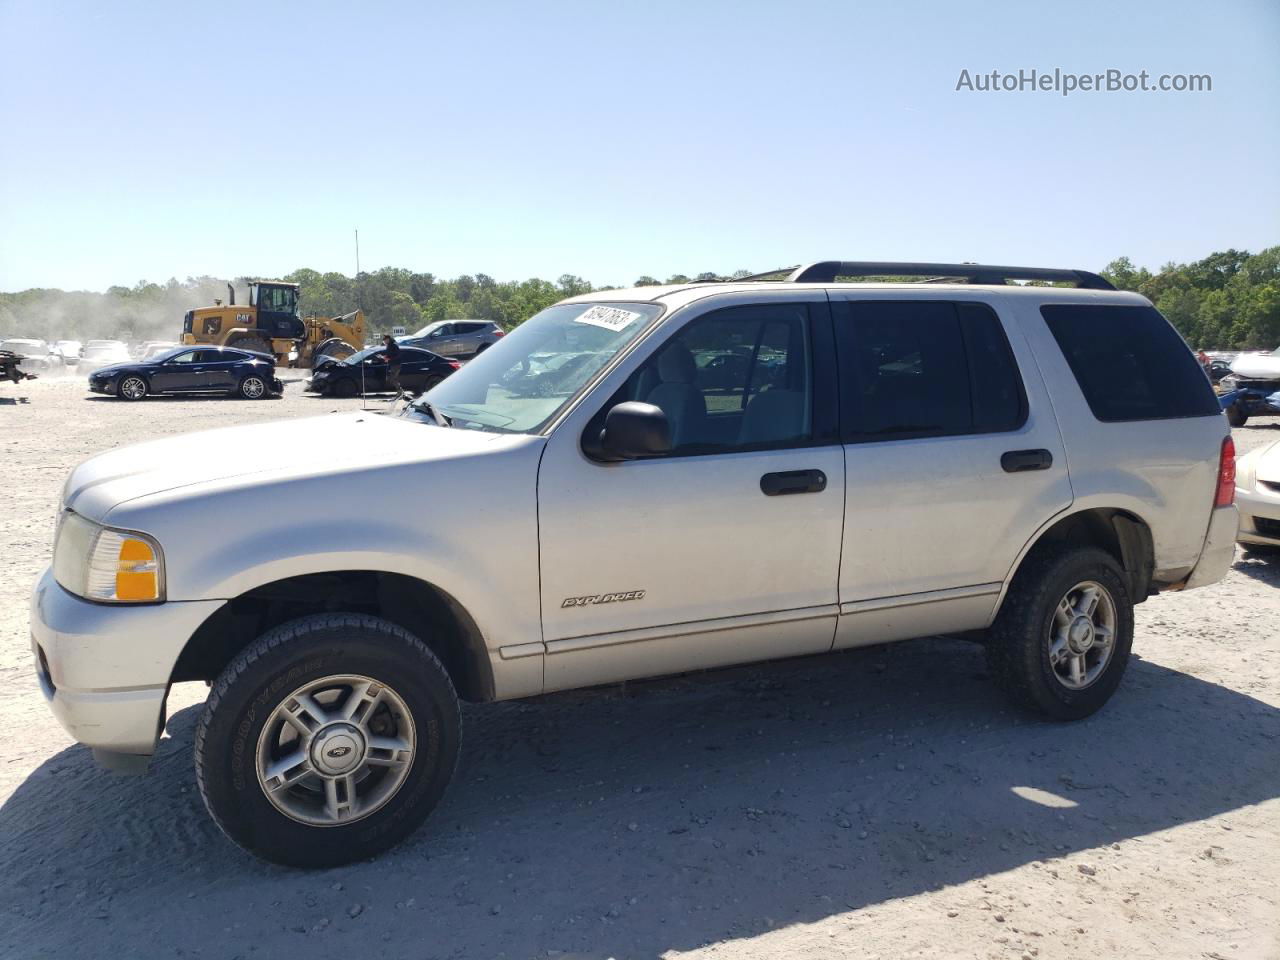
[1245,472]
[110,566]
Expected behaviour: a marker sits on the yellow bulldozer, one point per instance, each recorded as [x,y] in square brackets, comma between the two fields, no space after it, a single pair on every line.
[272,323]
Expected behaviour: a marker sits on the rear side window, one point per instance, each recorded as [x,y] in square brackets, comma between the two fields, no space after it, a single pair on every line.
[1130,364]
[925,368]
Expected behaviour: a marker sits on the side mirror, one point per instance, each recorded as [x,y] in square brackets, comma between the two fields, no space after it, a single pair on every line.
[632,431]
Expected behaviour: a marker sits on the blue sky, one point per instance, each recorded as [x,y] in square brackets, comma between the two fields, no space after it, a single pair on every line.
[614,139]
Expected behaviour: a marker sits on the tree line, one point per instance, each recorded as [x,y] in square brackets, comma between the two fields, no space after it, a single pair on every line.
[1228,300]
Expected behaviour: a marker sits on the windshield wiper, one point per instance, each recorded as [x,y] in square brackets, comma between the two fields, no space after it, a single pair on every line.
[423,406]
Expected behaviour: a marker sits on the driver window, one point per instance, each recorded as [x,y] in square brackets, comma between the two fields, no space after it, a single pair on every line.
[735,379]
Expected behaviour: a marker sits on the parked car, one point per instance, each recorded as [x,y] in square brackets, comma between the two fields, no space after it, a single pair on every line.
[69,350]
[37,356]
[102,353]
[1258,496]
[455,338]
[154,348]
[150,348]
[217,370]
[367,371]
[1017,463]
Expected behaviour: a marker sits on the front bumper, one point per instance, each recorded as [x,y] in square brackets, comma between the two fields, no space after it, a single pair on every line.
[1259,515]
[102,385]
[104,668]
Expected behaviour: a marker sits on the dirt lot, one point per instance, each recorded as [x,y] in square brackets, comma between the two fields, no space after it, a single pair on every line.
[877,803]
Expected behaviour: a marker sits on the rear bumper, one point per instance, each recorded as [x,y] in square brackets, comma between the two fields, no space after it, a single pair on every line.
[1219,549]
[1259,517]
[104,669]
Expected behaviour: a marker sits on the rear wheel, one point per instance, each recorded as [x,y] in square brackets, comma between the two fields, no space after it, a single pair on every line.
[1235,416]
[433,380]
[482,348]
[132,388]
[253,387]
[1062,639]
[328,740]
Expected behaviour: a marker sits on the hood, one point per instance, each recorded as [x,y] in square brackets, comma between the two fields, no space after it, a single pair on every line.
[239,456]
[116,366]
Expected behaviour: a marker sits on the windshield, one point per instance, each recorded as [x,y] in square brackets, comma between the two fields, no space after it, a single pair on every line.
[526,378]
[26,347]
[356,358]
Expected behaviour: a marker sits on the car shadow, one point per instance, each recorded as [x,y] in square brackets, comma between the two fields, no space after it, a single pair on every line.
[650,817]
[1261,566]
[14,401]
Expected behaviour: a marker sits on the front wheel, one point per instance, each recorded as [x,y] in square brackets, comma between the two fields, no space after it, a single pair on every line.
[328,740]
[253,387]
[1235,416]
[132,388]
[1062,639]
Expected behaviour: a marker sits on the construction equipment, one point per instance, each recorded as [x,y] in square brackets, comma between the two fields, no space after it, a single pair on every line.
[271,323]
[9,364]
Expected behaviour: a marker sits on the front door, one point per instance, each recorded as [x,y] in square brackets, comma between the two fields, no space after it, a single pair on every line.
[953,459]
[727,549]
[181,373]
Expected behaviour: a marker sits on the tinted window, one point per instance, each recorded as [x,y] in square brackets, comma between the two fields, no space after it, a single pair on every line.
[467,327]
[731,380]
[925,368]
[410,355]
[1130,364]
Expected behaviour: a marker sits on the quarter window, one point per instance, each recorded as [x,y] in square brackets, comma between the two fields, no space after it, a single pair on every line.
[1130,364]
[925,368]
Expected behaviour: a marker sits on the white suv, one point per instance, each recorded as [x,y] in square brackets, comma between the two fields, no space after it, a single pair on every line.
[641,482]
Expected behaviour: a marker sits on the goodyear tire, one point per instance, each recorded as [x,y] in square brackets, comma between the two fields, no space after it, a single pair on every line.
[1061,641]
[253,387]
[328,740]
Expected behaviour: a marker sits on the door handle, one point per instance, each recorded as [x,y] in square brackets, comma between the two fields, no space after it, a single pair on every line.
[793,481]
[1018,461]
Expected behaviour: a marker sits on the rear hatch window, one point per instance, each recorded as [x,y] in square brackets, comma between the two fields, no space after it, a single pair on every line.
[1130,363]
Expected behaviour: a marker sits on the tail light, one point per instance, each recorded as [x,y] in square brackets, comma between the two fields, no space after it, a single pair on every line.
[457,366]
[1226,475]
[499,333]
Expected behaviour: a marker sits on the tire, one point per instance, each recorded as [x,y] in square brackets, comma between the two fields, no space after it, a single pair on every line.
[236,740]
[1022,644]
[1236,417]
[431,382]
[345,387]
[132,388]
[253,387]
[482,348]
[254,344]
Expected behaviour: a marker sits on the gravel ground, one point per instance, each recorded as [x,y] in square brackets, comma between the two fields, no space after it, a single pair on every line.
[876,803]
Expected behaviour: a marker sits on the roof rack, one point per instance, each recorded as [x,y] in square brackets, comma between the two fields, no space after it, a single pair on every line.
[826,271]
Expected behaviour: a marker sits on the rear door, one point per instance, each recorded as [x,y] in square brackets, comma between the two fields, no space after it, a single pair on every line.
[953,460]
[221,369]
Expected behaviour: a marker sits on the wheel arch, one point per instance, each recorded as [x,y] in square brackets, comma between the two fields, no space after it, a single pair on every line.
[423,609]
[1121,533]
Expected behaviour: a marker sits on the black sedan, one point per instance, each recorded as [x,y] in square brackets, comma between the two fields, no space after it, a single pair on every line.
[208,370]
[366,371]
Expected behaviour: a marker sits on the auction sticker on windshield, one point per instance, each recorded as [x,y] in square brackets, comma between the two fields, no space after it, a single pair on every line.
[611,318]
